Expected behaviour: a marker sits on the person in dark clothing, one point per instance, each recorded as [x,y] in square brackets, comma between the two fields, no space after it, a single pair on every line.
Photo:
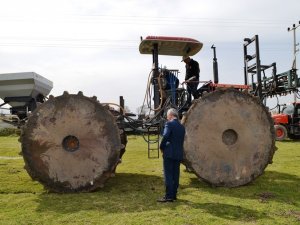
[191,77]
[172,150]
[172,82]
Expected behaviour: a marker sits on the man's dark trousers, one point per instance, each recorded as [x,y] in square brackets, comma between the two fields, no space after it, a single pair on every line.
[192,90]
[171,172]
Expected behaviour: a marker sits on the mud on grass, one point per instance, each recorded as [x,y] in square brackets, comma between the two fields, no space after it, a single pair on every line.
[130,196]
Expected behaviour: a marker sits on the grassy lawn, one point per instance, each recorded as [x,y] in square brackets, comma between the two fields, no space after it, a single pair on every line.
[130,196]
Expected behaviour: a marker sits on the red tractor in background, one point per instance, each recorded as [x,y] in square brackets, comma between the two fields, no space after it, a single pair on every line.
[287,122]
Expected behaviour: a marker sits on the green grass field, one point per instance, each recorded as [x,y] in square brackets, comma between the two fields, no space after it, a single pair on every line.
[130,196]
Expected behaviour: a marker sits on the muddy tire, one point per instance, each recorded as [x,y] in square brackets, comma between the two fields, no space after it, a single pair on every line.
[71,143]
[229,139]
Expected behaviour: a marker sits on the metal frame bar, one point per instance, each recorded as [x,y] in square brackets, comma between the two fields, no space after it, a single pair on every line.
[156,96]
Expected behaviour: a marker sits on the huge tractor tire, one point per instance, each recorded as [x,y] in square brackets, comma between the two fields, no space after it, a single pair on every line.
[71,143]
[230,138]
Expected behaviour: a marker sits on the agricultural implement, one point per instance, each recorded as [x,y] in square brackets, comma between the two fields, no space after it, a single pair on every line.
[287,122]
[73,143]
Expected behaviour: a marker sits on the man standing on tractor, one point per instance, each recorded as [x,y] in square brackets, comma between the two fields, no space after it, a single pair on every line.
[191,77]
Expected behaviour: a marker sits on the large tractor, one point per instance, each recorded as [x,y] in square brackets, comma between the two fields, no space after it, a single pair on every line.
[73,143]
[229,132]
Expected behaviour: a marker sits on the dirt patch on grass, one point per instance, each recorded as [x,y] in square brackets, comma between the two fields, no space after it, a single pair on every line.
[265,196]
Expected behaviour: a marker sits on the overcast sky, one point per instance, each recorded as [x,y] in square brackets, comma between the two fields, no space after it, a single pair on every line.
[92,46]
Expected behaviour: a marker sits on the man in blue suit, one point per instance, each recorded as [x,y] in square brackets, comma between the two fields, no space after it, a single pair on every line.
[172,149]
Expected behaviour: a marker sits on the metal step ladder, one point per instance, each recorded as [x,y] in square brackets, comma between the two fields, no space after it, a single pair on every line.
[153,140]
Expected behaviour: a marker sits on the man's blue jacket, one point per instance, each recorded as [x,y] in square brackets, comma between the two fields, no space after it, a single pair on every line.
[172,141]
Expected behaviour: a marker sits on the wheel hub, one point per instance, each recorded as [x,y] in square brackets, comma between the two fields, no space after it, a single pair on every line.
[279,133]
[70,143]
[229,137]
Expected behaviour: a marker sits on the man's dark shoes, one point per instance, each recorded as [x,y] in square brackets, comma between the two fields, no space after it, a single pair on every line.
[164,199]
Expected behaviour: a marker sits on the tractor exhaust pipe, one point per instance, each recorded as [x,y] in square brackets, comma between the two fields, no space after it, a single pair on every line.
[215,66]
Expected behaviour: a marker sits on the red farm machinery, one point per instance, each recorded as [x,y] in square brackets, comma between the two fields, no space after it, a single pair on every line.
[287,121]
